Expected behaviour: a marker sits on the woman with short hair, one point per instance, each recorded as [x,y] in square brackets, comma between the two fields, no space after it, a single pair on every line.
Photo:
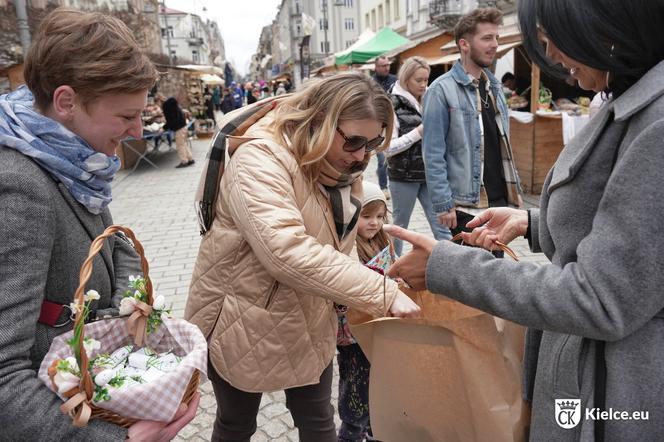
[595,312]
[87,84]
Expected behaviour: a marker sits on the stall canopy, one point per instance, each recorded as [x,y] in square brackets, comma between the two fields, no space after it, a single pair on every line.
[384,40]
[212,79]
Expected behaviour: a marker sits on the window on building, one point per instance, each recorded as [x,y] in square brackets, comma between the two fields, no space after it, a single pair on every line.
[388,12]
[194,56]
[373,19]
[381,17]
[396,9]
[348,43]
[349,24]
[367,23]
[168,30]
[322,23]
[298,29]
[297,8]
[348,3]
[325,47]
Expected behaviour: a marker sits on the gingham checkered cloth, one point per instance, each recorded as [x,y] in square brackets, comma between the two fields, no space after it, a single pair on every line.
[157,400]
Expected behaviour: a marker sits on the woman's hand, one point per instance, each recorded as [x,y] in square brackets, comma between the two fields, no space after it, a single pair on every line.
[404,307]
[497,224]
[412,266]
[448,219]
[152,431]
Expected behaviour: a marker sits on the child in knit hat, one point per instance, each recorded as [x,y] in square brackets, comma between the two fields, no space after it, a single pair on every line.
[353,365]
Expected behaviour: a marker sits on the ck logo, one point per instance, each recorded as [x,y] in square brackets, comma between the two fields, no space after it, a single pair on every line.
[568,412]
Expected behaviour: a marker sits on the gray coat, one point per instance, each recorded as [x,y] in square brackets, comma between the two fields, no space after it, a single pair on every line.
[44,238]
[602,227]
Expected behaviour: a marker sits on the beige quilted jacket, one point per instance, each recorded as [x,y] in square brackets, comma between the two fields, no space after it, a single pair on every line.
[269,270]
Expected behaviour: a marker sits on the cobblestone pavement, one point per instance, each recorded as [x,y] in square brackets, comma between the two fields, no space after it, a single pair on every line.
[158,204]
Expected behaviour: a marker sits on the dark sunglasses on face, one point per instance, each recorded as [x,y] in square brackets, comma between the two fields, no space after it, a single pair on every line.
[357,142]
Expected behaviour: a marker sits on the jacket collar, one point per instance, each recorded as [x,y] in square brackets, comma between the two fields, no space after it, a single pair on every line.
[398,90]
[461,76]
[645,91]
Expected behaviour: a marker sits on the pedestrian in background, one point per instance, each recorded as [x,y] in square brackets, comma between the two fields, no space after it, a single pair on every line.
[595,312]
[386,80]
[176,122]
[405,164]
[353,403]
[227,104]
[87,84]
[275,257]
[469,159]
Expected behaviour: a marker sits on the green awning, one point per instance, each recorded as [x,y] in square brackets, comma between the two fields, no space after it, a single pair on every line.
[385,40]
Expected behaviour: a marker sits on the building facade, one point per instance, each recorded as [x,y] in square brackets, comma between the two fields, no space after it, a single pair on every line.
[376,14]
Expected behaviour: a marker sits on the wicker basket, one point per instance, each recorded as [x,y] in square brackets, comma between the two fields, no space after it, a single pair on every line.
[83,409]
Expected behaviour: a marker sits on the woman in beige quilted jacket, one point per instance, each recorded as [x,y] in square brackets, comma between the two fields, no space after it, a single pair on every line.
[275,257]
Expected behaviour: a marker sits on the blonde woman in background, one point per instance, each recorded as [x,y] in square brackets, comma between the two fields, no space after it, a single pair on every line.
[405,163]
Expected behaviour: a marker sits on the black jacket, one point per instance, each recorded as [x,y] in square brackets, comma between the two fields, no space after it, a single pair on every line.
[174,116]
[407,165]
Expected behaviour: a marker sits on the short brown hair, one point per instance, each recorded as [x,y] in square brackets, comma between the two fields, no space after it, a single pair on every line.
[93,53]
[467,25]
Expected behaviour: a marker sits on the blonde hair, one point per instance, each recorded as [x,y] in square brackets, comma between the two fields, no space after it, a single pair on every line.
[367,249]
[93,53]
[409,67]
[309,118]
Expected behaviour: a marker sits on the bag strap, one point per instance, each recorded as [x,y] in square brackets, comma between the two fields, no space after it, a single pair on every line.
[504,247]
[216,158]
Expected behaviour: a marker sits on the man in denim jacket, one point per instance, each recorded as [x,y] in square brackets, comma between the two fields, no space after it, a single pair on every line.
[468,159]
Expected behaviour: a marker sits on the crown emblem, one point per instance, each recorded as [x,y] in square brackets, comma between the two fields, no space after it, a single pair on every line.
[567,405]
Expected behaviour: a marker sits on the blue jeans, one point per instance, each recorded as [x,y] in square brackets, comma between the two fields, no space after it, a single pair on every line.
[381,170]
[404,195]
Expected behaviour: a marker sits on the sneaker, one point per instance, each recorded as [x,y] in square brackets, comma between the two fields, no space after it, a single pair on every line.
[386,192]
[183,165]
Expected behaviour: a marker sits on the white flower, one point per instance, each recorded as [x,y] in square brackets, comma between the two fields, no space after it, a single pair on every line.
[91,295]
[74,308]
[132,278]
[72,363]
[159,302]
[65,381]
[127,306]
[137,294]
[90,345]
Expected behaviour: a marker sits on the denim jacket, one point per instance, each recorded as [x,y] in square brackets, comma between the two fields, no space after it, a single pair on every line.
[451,141]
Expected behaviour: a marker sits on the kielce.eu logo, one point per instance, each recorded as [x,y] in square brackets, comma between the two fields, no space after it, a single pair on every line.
[568,412]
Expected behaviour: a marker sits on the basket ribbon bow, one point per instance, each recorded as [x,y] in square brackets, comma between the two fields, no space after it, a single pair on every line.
[137,322]
[79,401]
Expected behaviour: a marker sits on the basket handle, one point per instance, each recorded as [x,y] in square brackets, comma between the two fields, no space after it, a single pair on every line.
[79,401]
[504,247]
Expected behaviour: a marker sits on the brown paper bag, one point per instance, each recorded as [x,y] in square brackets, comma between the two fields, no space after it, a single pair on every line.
[453,375]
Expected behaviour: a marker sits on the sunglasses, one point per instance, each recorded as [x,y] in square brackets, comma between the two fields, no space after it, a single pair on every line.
[357,142]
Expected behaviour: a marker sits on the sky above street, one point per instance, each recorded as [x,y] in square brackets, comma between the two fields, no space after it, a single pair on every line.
[240,23]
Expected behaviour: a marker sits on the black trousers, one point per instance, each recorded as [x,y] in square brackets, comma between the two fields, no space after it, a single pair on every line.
[310,407]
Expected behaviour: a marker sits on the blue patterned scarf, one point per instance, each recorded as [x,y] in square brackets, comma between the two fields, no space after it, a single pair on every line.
[86,173]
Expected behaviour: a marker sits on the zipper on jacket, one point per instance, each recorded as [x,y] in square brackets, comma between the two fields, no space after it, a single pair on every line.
[270,295]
